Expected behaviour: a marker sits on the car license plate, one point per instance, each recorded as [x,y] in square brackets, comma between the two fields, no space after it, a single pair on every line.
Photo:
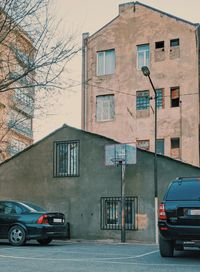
[194,212]
[57,220]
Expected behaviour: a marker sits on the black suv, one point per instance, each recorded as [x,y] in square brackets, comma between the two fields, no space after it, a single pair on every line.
[179,216]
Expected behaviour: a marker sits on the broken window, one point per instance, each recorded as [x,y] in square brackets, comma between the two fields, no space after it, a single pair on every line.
[175,97]
[105,108]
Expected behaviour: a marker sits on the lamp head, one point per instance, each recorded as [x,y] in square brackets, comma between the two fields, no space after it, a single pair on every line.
[145,71]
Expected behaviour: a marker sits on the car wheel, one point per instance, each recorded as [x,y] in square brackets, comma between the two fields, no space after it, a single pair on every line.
[166,247]
[44,242]
[17,236]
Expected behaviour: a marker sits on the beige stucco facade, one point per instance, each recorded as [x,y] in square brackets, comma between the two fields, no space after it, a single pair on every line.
[176,66]
[16,108]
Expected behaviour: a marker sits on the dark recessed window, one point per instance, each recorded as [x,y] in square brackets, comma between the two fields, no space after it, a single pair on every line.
[160,44]
[175,143]
[175,148]
[174,42]
[175,97]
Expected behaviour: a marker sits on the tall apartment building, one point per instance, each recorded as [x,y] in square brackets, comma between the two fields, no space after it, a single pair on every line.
[16,104]
[118,101]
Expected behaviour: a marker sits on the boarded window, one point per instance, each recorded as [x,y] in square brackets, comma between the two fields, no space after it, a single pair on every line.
[143,56]
[105,62]
[175,97]
[105,108]
[66,159]
[142,100]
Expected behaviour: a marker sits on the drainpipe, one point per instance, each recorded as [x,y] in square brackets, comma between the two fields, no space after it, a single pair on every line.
[198,69]
[181,129]
[84,80]
[197,32]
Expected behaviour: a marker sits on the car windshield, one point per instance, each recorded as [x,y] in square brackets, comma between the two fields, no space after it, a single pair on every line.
[184,190]
[33,207]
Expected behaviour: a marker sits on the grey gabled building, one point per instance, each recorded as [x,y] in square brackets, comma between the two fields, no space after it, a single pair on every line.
[66,171]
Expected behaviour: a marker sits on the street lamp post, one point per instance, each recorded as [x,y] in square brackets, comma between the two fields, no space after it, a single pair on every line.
[146,72]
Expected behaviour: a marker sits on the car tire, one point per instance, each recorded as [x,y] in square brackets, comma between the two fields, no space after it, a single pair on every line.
[166,247]
[17,236]
[44,242]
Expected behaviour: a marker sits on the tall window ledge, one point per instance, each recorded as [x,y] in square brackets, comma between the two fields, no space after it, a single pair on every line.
[105,121]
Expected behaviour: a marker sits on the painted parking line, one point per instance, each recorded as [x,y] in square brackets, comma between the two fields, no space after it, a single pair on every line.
[125,257]
[178,265]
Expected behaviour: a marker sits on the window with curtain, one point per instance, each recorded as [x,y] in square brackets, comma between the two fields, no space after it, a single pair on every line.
[105,108]
[106,62]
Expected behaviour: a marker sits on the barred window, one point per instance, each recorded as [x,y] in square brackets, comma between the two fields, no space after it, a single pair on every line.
[66,159]
[142,100]
[111,213]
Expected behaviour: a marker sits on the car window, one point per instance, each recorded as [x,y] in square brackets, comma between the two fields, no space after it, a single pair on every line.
[184,190]
[10,208]
[34,207]
[16,209]
[2,208]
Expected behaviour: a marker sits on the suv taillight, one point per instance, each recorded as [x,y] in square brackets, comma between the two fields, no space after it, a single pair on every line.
[162,213]
[43,219]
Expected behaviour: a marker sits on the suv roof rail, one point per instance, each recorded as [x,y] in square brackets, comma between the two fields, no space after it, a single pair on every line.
[180,178]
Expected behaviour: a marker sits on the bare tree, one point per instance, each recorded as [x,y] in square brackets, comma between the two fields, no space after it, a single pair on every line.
[32,53]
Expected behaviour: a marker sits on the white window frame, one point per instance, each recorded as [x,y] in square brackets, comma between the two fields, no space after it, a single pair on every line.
[104,62]
[145,51]
[104,105]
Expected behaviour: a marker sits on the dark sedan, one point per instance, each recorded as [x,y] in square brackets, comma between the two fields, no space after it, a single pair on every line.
[20,221]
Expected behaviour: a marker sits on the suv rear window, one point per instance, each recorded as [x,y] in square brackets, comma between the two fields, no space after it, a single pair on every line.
[184,190]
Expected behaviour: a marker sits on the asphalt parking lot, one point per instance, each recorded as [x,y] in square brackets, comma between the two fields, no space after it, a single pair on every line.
[93,257]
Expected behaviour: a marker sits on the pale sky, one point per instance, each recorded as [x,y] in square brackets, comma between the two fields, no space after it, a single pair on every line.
[80,16]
